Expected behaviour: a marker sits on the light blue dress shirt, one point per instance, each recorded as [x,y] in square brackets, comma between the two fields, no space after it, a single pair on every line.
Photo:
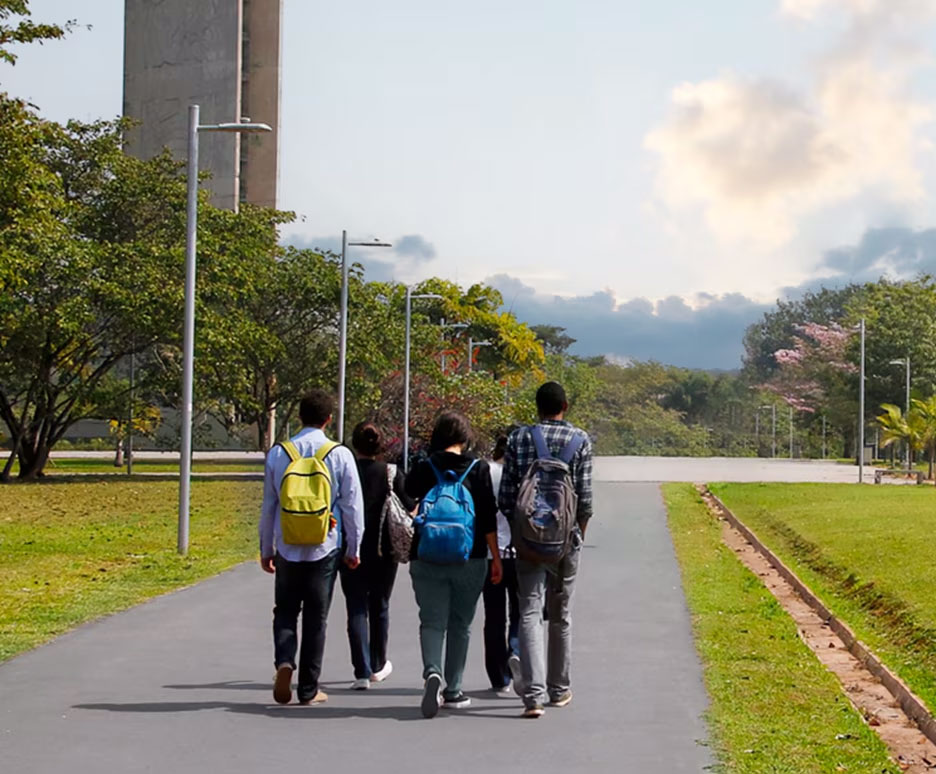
[346,492]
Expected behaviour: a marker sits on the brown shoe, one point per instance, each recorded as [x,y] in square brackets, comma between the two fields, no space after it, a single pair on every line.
[562,700]
[320,698]
[282,684]
[536,711]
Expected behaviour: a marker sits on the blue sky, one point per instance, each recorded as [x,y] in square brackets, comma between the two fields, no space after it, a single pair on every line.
[646,174]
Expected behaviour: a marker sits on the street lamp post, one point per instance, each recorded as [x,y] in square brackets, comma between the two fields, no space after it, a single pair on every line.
[905,361]
[861,406]
[188,332]
[443,325]
[773,428]
[343,325]
[406,371]
[471,348]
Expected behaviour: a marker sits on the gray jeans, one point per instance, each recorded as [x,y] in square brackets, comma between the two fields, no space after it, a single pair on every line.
[555,582]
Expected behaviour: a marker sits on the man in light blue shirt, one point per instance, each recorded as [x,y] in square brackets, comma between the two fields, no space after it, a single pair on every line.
[305,574]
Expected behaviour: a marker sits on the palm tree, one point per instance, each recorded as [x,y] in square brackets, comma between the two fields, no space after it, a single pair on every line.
[897,426]
[925,410]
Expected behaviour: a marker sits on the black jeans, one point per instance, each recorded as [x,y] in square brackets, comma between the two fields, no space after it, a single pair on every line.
[306,587]
[367,598]
[501,624]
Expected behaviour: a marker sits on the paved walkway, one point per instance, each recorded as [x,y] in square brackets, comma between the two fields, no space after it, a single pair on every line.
[182,684]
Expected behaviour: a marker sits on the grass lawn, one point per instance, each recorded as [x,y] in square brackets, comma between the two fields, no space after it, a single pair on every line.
[80,465]
[866,551]
[74,551]
[774,708]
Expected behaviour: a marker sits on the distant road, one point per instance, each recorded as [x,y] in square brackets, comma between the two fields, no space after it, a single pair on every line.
[733,469]
[613,469]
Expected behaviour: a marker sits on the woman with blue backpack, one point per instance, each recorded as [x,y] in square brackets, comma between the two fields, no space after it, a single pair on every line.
[455,529]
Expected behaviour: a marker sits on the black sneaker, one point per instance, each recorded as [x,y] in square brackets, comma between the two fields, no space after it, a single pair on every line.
[432,696]
[536,711]
[457,702]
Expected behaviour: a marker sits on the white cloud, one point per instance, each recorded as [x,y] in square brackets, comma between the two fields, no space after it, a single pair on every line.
[809,9]
[757,156]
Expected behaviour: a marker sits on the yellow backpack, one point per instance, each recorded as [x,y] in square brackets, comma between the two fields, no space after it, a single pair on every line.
[306,497]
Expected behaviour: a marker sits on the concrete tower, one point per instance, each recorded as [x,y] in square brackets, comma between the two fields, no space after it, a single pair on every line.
[223,55]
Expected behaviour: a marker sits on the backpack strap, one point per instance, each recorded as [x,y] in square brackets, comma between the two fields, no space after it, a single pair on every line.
[438,475]
[324,450]
[461,479]
[291,451]
[571,448]
[539,441]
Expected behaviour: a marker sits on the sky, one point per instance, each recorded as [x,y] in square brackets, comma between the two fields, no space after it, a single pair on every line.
[652,176]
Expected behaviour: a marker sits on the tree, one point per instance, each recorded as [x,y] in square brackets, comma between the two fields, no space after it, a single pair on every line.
[25,30]
[553,338]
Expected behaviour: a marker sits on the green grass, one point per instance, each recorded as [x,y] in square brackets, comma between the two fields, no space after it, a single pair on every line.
[867,552]
[71,552]
[61,466]
[774,708]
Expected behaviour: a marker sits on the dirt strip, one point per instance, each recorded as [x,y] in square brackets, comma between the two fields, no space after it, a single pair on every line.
[821,631]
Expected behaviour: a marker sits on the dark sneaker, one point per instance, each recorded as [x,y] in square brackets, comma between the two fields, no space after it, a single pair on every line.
[282,684]
[457,702]
[513,664]
[561,700]
[536,711]
[432,696]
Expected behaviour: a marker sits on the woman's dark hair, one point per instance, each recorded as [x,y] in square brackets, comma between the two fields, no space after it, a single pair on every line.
[315,408]
[450,428]
[367,439]
[500,448]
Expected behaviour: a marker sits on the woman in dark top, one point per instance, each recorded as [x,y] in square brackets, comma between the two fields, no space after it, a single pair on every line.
[447,594]
[367,589]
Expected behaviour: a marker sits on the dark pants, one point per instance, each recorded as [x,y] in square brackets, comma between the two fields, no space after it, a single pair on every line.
[501,624]
[305,587]
[367,598]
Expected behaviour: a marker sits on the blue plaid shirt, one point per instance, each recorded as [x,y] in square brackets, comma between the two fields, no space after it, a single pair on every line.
[521,451]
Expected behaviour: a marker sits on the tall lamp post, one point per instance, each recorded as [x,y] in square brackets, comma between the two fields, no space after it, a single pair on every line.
[188,334]
[773,424]
[905,361]
[406,371]
[472,344]
[443,325]
[861,405]
[343,325]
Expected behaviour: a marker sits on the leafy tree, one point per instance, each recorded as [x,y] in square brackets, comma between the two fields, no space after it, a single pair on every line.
[778,327]
[25,30]
[554,339]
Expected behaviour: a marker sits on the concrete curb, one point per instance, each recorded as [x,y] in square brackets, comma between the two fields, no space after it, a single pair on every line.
[911,704]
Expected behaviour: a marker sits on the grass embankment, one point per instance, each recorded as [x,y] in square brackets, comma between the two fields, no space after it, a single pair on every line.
[867,552]
[774,707]
[71,552]
[60,466]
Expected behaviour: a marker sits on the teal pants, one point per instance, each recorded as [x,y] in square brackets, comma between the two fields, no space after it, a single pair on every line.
[447,595]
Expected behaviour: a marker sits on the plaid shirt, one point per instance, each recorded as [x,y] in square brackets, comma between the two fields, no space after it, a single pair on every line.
[521,451]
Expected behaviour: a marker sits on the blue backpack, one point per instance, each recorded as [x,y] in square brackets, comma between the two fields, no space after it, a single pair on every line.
[446,519]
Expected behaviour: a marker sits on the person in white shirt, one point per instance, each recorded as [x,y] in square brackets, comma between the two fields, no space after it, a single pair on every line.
[501,606]
[305,574]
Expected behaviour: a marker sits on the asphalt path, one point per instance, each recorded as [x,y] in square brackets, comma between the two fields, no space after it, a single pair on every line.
[183,683]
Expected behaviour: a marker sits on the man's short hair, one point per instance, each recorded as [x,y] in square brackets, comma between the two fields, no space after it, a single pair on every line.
[551,399]
[315,408]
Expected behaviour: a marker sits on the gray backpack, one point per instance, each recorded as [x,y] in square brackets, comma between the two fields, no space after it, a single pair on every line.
[545,514]
[399,523]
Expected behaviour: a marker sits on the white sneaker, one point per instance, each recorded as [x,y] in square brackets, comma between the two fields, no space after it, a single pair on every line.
[513,664]
[382,674]
[360,684]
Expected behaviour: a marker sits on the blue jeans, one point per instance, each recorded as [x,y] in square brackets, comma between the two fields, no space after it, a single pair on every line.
[367,599]
[447,595]
[501,624]
[304,587]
